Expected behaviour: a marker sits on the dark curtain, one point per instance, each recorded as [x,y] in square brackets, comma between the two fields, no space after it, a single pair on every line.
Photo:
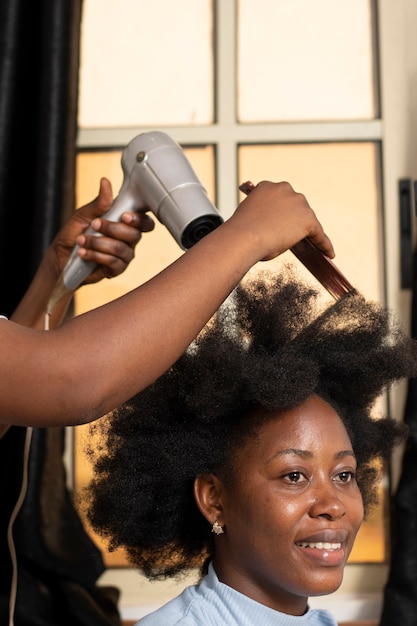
[58,565]
[400,594]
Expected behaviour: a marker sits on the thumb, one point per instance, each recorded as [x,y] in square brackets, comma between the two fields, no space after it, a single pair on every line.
[105,195]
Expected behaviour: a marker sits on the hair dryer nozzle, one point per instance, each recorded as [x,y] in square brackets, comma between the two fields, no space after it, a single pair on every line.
[199,228]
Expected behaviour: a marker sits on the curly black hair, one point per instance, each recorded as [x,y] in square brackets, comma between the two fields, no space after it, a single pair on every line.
[271,345]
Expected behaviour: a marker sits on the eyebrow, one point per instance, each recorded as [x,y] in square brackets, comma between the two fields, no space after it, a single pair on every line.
[306,454]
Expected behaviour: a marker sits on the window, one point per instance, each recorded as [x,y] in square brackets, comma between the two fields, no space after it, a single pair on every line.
[313,93]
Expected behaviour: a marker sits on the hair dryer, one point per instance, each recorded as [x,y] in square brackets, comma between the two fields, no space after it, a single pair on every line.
[157,177]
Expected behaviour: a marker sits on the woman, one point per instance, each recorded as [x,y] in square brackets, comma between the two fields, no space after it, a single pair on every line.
[256,456]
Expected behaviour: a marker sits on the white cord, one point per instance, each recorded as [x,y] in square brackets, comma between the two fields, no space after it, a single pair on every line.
[15,512]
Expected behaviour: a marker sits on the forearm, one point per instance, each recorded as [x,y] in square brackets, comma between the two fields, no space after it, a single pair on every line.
[159,319]
[31,309]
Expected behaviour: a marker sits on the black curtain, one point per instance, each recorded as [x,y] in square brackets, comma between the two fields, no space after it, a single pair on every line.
[38,98]
[58,565]
[400,594]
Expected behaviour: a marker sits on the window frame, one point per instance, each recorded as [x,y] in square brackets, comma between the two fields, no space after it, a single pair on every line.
[394,130]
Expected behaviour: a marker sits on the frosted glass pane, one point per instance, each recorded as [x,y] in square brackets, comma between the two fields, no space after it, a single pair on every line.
[304,60]
[340,182]
[146,63]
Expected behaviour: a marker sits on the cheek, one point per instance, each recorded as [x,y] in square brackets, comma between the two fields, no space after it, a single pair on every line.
[284,514]
[289,509]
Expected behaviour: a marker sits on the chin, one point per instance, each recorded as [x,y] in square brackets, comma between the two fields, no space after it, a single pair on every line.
[325,586]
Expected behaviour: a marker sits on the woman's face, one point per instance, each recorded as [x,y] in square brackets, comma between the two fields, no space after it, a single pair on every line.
[290,510]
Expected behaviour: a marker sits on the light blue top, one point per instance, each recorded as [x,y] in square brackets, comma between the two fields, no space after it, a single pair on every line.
[212,603]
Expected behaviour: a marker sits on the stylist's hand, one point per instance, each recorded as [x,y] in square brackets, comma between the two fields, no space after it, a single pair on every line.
[115,249]
[281,218]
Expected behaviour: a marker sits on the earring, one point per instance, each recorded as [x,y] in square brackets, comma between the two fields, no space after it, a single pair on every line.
[217,529]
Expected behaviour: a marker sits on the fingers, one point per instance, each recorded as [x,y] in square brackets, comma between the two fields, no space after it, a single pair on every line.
[105,193]
[110,263]
[114,250]
[129,229]
[99,205]
[105,196]
[112,255]
[142,221]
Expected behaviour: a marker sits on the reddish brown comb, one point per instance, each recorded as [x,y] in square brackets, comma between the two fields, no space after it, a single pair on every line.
[316,262]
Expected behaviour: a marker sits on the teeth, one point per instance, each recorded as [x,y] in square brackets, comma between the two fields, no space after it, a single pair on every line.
[321,545]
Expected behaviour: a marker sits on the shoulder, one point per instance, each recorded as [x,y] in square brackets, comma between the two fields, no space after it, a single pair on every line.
[197,605]
[320,617]
[185,610]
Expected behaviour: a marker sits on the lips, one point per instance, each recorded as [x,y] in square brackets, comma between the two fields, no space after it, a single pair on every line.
[326,547]
[324,538]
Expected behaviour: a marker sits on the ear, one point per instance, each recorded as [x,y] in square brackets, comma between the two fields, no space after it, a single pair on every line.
[207,494]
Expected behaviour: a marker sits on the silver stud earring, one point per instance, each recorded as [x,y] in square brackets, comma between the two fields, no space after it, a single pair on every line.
[217,529]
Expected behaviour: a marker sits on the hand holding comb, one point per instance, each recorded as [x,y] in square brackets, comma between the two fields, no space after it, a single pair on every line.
[316,262]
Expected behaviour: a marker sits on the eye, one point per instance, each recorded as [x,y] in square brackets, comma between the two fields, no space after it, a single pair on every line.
[295,477]
[346,476]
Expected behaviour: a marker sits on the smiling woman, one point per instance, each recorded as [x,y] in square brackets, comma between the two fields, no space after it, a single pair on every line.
[289,506]
[254,457]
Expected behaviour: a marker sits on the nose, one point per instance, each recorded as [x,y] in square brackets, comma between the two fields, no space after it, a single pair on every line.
[327,504]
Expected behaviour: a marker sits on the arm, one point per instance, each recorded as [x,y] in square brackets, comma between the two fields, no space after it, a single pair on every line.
[96,361]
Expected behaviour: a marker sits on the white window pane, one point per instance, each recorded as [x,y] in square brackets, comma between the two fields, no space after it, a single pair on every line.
[304,60]
[146,63]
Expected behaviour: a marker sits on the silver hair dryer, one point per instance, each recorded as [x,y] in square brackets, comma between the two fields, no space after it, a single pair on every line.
[157,177]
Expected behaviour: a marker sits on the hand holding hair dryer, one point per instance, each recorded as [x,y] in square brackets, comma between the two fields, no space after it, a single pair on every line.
[157,177]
